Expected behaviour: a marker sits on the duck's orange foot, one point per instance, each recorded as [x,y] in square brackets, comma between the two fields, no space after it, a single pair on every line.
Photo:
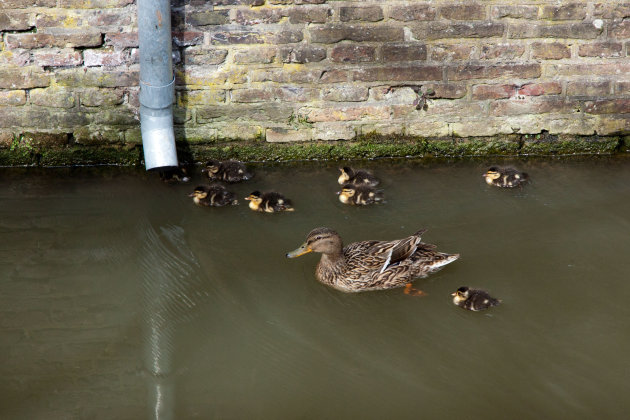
[409,290]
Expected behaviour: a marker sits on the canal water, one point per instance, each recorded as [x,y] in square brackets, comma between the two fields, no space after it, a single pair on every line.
[119,298]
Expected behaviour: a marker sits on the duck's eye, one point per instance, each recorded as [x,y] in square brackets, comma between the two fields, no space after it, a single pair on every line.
[317,238]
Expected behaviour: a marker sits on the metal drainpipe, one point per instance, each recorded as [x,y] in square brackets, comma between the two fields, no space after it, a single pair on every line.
[156,84]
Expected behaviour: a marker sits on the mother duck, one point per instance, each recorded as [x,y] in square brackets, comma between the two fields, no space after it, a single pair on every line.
[371,265]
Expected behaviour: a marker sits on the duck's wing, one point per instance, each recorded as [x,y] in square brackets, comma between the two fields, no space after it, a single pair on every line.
[393,252]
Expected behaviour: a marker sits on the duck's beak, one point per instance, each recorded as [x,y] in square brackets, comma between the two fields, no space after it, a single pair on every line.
[303,249]
[248,198]
[191,194]
[454,294]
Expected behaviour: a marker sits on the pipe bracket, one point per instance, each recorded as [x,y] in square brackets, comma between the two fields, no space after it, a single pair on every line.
[157,97]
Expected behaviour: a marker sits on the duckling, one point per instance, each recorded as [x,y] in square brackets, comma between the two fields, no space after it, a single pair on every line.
[359,195]
[228,171]
[358,177]
[173,175]
[213,195]
[269,202]
[473,299]
[505,177]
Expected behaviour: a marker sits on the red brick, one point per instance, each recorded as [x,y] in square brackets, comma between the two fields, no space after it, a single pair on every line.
[57,58]
[61,40]
[104,58]
[601,49]
[538,89]
[398,73]
[483,92]
[588,88]
[335,76]
[608,106]
[450,52]
[447,91]
[352,53]
[501,51]
[365,13]
[122,39]
[550,50]
[404,52]
[188,38]
[330,34]
[302,54]
[416,12]
[620,30]
[573,11]
[463,12]
[471,71]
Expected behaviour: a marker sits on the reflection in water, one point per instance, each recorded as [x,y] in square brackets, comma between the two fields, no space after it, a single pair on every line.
[170,272]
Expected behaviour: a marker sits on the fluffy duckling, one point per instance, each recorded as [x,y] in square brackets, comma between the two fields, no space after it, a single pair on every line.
[473,299]
[213,195]
[228,171]
[359,195]
[173,175]
[358,177]
[269,202]
[505,177]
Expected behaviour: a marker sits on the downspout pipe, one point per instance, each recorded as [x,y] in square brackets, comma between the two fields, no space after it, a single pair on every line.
[156,84]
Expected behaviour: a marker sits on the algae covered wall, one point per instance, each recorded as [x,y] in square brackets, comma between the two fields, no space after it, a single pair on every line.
[332,78]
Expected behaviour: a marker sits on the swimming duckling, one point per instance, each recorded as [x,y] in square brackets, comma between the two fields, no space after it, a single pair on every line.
[228,171]
[473,299]
[505,177]
[269,202]
[173,175]
[359,195]
[359,177]
[213,195]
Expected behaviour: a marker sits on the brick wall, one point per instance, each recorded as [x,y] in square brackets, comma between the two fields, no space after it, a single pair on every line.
[299,70]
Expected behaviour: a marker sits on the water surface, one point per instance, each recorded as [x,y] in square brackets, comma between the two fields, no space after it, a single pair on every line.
[121,299]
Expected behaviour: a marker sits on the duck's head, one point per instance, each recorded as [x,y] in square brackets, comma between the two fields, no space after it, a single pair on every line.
[347,192]
[492,174]
[255,199]
[212,167]
[346,174]
[199,192]
[323,239]
[460,294]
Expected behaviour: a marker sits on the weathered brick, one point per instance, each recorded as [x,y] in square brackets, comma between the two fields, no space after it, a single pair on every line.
[608,106]
[365,13]
[284,135]
[188,98]
[398,73]
[289,73]
[52,97]
[15,21]
[255,55]
[463,12]
[450,52]
[6,139]
[393,95]
[442,108]
[622,88]
[345,113]
[17,57]
[12,97]
[564,30]
[23,78]
[198,55]
[302,54]
[237,2]
[42,139]
[307,14]
[104,58]
[200,76]
[439,30]
[188,38]
[253,112]
[346,93]
[416,12]
[514,12]
[208,17]
[483,92]
[122,39]
[352,53]
[335,76]
[533,105]
[96,77]
[620,30]
[289,94]
[333,131]
[23,4]
[550,50]
[94,4]
[473,71]
[286,36]
[446,90]
[61,40]
[601,49]
[584,88]
[330,34]
[257,16]
[612,10]
[404,52]
[573,69]
[538,89]
[501,51]
[55,57]
[94,97]
[572,11]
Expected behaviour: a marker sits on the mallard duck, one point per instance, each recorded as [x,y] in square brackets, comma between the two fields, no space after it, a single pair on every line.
[505,177]
[371,265]
[473,299]
[269,202]
[228,171]
[173,175]
[358,177]
[213,195]
[359,195]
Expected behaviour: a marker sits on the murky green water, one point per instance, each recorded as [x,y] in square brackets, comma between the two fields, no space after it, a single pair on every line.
[121,299]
